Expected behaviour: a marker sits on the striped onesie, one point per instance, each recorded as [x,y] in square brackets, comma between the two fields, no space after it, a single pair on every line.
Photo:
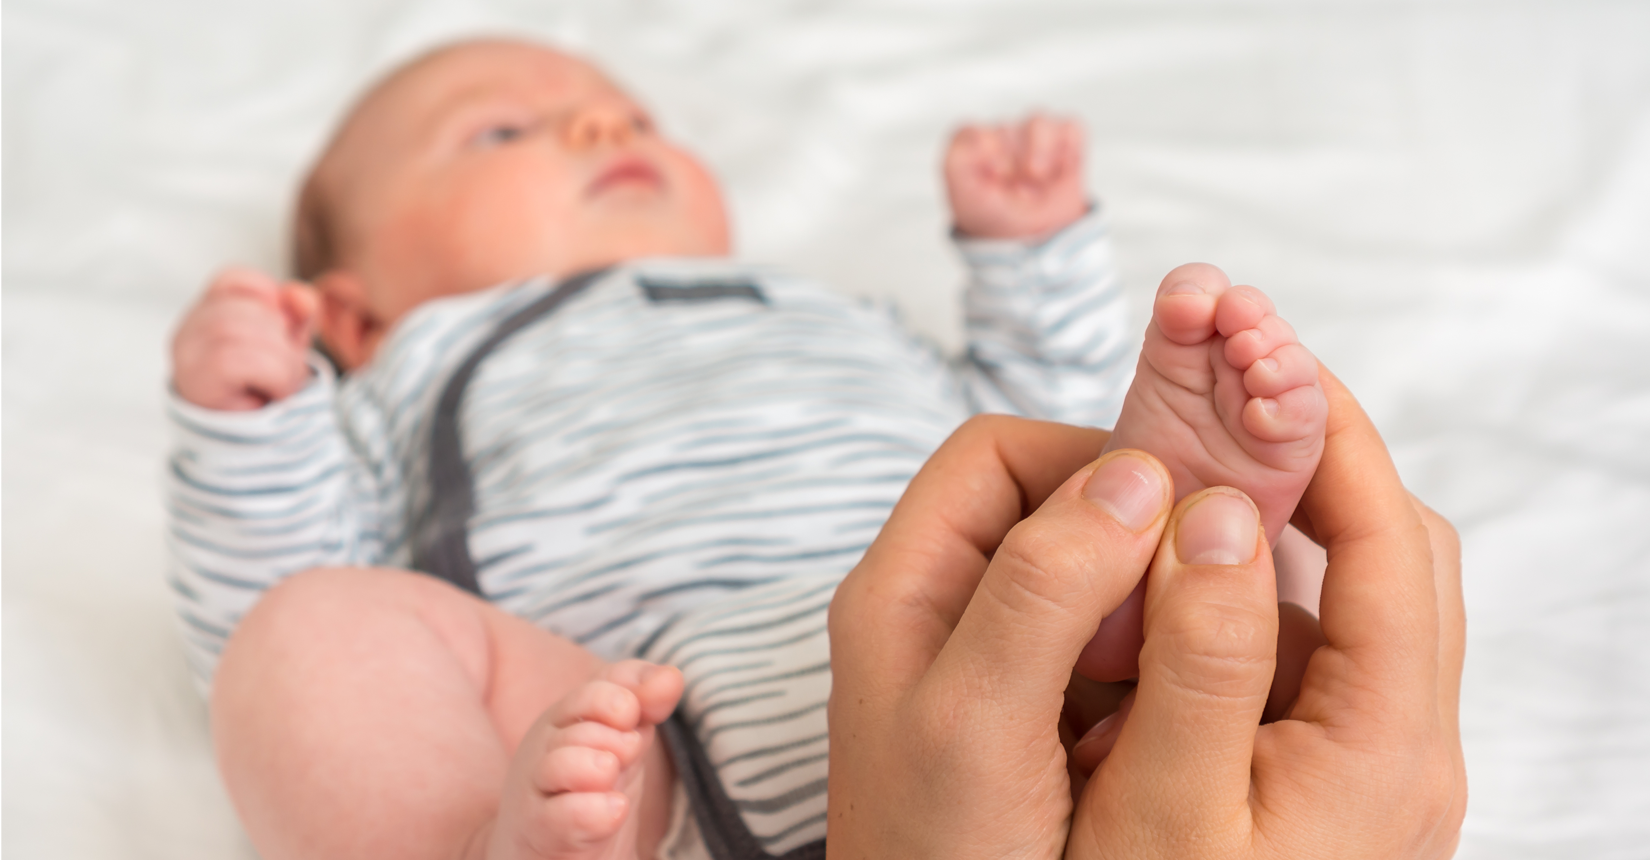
[678,462]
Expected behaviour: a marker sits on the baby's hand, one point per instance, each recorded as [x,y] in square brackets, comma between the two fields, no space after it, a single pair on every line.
[1016,182]
[243,345]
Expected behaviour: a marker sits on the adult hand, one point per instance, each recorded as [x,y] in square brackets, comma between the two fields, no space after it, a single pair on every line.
[1367,762]
[953,640]
[952,645]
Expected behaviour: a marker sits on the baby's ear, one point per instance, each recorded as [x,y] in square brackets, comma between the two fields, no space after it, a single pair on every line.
[347,326]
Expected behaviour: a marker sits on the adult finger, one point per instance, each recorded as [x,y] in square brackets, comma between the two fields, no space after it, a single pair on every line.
[896,609]
[926,770]
[1380,607]
[1452,645]
[1452,615]
[1182,760]
[1053,578]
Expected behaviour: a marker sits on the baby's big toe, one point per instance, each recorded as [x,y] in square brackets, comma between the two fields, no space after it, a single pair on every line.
[657,688]
[1185,307]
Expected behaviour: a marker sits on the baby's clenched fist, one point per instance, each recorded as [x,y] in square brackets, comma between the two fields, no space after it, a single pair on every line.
[244,344]
[1016,181]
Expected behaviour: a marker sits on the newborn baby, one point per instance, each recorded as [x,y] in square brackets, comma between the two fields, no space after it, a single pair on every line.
[563,399]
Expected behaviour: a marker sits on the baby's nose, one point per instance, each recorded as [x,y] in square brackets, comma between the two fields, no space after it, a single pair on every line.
[599,125]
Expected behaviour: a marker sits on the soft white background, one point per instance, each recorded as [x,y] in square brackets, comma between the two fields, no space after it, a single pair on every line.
[1450,200]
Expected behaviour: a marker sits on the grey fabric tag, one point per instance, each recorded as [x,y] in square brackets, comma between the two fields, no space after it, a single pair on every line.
[661,290]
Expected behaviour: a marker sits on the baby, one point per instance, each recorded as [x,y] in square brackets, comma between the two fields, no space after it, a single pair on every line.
[609,440]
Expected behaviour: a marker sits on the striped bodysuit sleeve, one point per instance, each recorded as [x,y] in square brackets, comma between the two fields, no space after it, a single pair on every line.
[1047,326]
[253,497]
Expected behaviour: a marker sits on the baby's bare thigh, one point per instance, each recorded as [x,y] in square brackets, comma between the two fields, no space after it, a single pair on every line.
[373,630]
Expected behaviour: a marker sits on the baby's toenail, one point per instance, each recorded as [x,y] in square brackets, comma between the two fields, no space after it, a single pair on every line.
[1269,406]
[1271,364]
[1184,288]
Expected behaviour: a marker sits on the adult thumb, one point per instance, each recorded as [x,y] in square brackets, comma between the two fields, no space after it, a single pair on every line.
[1053,578]
[1182,760]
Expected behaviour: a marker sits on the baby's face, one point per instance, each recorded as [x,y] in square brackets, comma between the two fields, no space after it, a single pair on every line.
[494,161]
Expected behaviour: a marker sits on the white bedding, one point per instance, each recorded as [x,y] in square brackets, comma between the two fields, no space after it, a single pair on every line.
[1450,200]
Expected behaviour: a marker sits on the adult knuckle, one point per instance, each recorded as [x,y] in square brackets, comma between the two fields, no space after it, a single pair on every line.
[1036,567]
[979,429]
[1221,650]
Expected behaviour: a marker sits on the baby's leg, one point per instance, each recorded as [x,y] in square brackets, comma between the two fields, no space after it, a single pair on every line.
[374,713]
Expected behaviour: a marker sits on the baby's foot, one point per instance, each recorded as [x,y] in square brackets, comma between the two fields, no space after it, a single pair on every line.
[1224,396]
[575,787]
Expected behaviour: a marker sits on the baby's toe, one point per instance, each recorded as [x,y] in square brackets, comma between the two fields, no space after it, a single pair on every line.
[1289,366]
[577,769]
[657,688]
[598,701]
[570,823]
[1292,415]
[1185,307]
[1247,346]
[1241,307]
[626,744]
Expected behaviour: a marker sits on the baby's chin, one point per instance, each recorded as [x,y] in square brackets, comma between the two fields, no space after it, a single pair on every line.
[626,227]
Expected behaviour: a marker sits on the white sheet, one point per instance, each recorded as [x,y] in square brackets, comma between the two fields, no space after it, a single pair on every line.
[1451,201]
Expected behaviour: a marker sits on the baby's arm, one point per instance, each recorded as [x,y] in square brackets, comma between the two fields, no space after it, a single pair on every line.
[1046,317]
[261,482]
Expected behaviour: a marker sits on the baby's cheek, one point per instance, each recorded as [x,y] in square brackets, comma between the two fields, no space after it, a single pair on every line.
[705,217]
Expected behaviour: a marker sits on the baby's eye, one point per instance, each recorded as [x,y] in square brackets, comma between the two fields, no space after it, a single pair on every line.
[498,135]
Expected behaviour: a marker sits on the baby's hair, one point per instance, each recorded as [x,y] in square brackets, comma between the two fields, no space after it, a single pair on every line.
[314,245]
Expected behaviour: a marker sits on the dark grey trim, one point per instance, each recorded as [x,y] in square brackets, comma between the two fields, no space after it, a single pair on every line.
[441,540]
[660,290]
[441,546]
[723,829]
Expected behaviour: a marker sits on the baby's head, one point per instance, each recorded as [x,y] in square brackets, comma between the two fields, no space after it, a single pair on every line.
[484,162]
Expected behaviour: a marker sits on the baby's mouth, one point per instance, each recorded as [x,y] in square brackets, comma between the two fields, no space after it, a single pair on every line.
[627,171]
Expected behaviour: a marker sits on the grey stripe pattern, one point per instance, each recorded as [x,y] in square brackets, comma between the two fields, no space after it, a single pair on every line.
[758,678]
[637,453]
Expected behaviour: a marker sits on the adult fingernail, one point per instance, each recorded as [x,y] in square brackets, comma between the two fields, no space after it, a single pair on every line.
[1219,528]
[1129,489]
